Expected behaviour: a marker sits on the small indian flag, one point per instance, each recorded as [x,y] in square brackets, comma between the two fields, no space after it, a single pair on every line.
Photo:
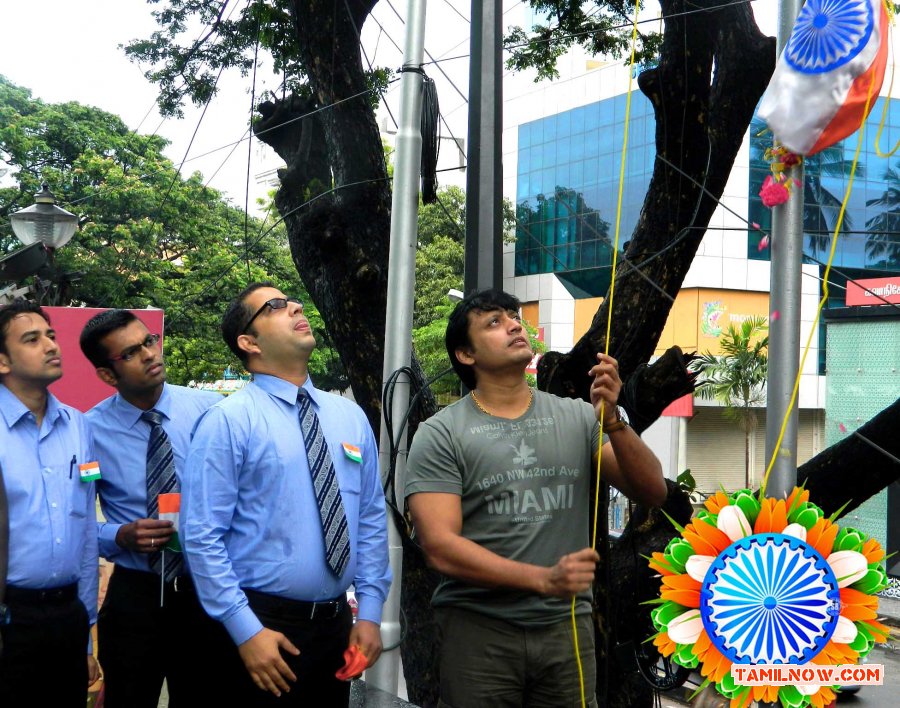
[169,509]
[352,452]
[89,471]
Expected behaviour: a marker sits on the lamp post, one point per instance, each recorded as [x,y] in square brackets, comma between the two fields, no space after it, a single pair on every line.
[44,221]
[42,228]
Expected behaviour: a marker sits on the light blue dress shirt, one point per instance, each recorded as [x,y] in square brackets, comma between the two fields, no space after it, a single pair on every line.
[120,441]
[52,513]
[249,517]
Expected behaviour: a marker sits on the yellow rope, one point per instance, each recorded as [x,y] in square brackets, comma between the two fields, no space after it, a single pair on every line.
[887,100]
[834,239]
[612,290]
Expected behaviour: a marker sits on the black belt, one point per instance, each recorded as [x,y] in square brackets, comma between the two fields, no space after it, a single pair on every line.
[182,583]
[326,609]
[34,596]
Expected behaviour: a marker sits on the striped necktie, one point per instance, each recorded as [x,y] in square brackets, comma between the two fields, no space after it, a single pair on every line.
[160,480]
[325,485]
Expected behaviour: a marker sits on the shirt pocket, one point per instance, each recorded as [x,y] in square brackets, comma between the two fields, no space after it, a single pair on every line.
[349,472]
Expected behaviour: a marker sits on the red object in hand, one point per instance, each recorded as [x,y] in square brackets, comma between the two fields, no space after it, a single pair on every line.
[355,662]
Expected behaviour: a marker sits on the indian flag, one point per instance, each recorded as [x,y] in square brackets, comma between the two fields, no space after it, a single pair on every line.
[169,510]
[352,451]
[835,58]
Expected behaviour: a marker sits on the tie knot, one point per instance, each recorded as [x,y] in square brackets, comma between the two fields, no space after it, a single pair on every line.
[153,417]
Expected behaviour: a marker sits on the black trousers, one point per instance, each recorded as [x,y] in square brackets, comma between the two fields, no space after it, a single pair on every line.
[44,660]
[140,643]
[321,642]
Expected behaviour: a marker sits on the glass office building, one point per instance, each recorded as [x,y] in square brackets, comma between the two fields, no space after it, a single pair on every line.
[567,186]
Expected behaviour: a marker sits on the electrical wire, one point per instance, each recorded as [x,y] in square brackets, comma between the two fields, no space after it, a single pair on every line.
[431,140]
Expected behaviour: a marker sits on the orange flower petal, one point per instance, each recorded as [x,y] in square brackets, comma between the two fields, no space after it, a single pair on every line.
[715,503]
[681,582]
[880,632]
[779,516]
[872,550]
[665,645]
[803,493]
[823,697]
[659,563]
[685,598]
[698,543]
[764,518]
[717,539]
[821,536]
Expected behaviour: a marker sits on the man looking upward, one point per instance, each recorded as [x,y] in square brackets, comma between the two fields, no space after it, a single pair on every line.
[283,511]
[498,487]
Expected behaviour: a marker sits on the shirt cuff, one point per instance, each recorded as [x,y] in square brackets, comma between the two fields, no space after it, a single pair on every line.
[243,625]
[369,608]
[106,538]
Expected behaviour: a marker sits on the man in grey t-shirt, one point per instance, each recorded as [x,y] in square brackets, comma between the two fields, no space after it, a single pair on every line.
[497,485]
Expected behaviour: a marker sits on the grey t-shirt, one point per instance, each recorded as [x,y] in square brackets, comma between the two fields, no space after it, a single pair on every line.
[524,485]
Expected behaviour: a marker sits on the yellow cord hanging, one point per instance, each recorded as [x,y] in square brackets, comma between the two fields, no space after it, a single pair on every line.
[887,101]
[612,290]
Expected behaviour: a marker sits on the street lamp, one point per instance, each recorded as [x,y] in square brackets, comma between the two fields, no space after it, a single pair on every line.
[44,222]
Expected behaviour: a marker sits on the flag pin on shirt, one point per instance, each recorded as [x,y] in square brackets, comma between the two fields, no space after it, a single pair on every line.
[352,452]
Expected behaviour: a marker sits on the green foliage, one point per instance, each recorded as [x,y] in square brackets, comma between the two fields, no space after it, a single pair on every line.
[686,481]
[148,237]
[228,39]
[602,28]
[737,377]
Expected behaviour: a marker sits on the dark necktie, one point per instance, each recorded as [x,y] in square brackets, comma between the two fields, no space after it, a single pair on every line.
[160,480]
[325,485]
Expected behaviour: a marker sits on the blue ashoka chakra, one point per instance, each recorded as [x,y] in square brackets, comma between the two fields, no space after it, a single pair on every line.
[770,599]
[828,34]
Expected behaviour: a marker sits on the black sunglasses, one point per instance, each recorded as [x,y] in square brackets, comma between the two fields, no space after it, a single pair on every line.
[276,303]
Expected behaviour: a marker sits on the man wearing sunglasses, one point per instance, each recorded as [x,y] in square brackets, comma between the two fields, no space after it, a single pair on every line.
[283,511]
[151,618]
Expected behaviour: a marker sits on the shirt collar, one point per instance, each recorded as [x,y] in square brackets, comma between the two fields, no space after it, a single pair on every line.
[131,414]
[13,410]
[285,390]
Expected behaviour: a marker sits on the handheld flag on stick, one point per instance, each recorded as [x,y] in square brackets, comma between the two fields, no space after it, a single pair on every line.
[169,509]
[836,55]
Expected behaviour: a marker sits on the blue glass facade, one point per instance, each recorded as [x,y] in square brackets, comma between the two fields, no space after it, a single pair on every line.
[870,238]
[567,187]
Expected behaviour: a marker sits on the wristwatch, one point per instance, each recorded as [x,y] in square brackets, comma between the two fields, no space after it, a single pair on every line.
[619,423]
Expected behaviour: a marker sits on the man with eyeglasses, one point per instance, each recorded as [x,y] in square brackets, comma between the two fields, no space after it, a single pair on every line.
[51,581]
[283,511]
[151,619]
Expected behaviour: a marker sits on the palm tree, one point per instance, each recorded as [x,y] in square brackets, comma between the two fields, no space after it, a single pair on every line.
[737,377]
[884,227]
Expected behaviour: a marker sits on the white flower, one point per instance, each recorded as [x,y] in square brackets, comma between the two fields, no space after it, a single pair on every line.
[848,567]
[697,566]
[686,628]
[845,632]
[733,523]
[795,530]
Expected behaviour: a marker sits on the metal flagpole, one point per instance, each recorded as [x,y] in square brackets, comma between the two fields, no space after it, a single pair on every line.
[784,299]
[398,321]
[484,175]
[784,303]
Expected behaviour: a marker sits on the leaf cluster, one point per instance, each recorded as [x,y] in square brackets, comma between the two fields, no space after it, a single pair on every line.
[147,236]
[601,28]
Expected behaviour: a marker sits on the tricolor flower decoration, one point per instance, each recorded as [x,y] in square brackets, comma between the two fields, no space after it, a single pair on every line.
[776,188]
[741,574]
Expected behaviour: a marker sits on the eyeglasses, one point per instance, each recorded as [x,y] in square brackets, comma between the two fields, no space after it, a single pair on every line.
[276,303]
[128,354]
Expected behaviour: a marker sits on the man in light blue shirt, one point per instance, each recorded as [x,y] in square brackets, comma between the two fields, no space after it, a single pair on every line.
[151,618]
[45,453]
[252,528]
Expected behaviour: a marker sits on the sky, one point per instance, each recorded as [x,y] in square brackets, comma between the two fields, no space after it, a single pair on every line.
[78,58]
